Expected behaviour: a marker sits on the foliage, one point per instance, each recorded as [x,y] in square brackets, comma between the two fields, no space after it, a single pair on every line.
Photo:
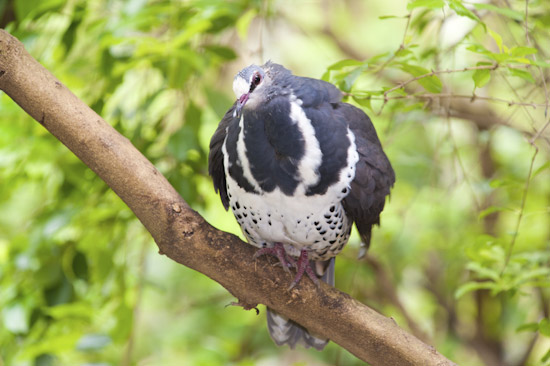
[458,95]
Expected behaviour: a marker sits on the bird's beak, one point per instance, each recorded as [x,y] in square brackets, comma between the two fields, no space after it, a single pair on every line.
[240,104]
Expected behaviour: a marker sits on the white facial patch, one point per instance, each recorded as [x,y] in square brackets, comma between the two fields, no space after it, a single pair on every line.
[240,86]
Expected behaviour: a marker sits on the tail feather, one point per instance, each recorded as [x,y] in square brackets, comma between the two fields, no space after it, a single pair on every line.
[285,331]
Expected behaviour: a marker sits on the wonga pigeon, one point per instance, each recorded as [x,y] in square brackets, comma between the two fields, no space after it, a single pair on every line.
[298,166]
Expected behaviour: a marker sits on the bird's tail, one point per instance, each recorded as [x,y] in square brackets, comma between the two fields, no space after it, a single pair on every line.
[286,331]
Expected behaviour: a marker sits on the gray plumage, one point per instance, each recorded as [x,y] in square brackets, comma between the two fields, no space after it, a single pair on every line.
[297,167]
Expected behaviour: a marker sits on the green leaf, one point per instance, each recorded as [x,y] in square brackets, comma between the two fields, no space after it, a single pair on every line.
[528,327]
[28,9]
[481,77]
[344,63]
[525,75]
[483,272]
[544,327]
[491,209]
[497,38]
[541,63]
[349,80]
[338,66]
[461,10]
[507,12]
[365,102]
[225,53]
[540,169]
[522,51]
[531,275]
[70,310]
[472,286]
[546,357]
[382,17]
[243,23]
[430,83]
[431,4]
[477,48]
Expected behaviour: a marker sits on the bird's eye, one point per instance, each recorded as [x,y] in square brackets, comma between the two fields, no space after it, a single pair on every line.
[257,79]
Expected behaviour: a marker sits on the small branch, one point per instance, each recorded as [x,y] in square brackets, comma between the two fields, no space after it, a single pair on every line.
[472,97]
[448,71]
[437,72]
[521,210]
[184,236]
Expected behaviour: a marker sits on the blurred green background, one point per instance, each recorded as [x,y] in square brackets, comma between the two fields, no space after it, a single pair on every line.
[461,259]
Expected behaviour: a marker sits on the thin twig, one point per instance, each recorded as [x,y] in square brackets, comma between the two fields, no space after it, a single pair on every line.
[401,47]
[461,165]
[472,97]
[528,39]
[521,210]
[449,71]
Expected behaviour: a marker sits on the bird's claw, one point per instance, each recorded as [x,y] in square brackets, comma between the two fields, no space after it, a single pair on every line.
[244,305]
[303,266]
[278,250]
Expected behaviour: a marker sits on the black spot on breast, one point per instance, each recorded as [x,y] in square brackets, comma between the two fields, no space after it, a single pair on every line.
[323,233]
[332,208]
[255,221]
[316,223]
[332,242]
[237,204]
[327,216]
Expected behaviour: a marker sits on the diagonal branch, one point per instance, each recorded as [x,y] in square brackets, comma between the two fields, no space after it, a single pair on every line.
[184,236]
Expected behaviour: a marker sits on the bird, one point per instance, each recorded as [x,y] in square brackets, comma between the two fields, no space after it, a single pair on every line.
[298,166]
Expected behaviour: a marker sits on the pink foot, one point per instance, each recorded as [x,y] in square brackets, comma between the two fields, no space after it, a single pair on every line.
[302,267]
[278,250]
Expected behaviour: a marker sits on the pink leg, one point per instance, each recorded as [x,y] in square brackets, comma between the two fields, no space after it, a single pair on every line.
[302,267]
[278,250]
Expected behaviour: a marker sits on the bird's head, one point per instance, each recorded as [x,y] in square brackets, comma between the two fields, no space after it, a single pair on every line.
[249,87]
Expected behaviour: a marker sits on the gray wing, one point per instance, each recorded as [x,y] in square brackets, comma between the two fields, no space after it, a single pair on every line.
[374,175]
[215,157]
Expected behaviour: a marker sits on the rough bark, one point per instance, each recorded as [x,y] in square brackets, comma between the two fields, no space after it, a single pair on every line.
[184,236]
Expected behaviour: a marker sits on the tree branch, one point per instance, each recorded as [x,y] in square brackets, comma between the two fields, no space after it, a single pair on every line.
[184,236]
